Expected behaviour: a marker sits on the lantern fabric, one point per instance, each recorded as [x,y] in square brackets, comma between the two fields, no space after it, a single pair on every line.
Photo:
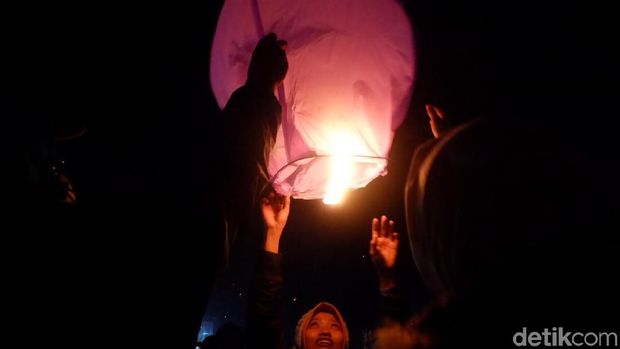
[351,68]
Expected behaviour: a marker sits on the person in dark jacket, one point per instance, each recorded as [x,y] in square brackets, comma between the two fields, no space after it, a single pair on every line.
[264,318]
[322,326]
[246,133]
[242,140]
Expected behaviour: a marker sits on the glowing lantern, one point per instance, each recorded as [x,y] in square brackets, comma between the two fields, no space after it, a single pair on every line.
[346,91]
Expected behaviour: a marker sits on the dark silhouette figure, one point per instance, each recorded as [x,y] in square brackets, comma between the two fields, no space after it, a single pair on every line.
[243,137]
[246,133]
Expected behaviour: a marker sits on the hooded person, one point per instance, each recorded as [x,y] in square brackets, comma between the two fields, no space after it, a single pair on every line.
[492,206]
[322,327]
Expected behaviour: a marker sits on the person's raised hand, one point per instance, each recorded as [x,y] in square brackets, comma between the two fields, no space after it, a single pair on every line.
[275,209]
[437,119]
[384,250]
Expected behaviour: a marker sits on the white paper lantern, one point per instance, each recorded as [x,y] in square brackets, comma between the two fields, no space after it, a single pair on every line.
[351,68]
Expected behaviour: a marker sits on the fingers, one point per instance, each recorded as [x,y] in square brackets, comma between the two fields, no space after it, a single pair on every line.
[430,111]
[374,229]
[268,199]
[272,37]
[437,120]
[385,227]
[434,113]
[285,203]
[392,234]
[277,201]
[440,112]
[373,245]
[280,200]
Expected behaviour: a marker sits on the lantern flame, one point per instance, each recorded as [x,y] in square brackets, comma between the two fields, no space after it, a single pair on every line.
[342,148]
[341,171]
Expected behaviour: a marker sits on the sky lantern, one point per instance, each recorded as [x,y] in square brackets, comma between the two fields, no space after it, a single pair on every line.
[351,69]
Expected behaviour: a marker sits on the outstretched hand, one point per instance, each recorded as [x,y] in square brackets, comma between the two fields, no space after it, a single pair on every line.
[437,119]
[275,209]
[384,250]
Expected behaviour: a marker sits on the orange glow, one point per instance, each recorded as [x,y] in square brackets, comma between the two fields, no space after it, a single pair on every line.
[342,148]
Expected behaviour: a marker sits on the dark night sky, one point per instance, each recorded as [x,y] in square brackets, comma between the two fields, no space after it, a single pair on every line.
[137,77]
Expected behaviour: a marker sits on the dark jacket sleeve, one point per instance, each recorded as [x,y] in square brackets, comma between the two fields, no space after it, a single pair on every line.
[264,318]
[393,306]
[241,144]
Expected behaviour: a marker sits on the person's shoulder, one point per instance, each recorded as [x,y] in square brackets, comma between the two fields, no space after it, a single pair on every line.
[239,92]
[247,93]
[236,100]
[249,99]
